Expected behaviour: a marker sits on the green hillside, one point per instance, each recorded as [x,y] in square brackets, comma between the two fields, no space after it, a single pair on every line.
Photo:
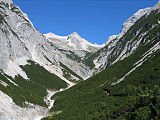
[34,89]
[137,96]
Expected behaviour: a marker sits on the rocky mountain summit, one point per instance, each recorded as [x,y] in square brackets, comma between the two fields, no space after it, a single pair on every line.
[73,42]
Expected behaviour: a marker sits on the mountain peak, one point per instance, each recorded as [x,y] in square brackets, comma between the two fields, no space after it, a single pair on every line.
[75,41]
[75,35]
[54,36]
[50,34]
[157,6]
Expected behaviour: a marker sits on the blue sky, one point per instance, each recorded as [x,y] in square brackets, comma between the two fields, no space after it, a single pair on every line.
[94,20]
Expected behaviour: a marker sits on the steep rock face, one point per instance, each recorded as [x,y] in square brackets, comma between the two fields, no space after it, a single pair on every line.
[10,111]
[132,20]
[120,46]
[11,46]
[22,42]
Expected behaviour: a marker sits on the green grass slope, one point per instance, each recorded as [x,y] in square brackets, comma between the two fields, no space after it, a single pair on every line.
[34,89]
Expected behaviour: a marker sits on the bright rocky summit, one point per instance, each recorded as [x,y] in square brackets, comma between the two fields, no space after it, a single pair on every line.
[82,80]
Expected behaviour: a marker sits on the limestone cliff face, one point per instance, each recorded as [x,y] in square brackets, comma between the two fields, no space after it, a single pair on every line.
[20,42]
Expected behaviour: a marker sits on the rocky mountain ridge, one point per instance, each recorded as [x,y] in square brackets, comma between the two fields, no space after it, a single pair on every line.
[74,41]
[116,47]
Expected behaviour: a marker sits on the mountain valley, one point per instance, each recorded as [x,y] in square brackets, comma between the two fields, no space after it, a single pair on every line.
[51,77]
